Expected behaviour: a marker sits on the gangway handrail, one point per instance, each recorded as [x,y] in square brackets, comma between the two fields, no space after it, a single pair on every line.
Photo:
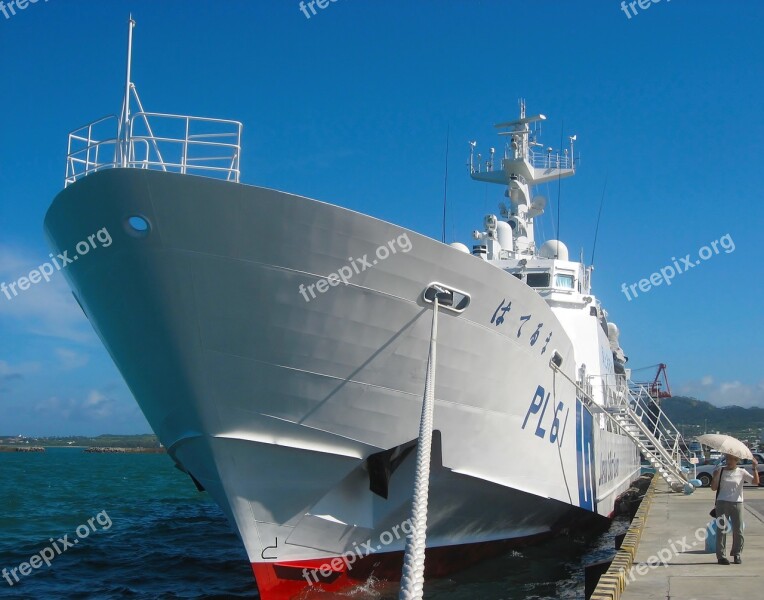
[668,464]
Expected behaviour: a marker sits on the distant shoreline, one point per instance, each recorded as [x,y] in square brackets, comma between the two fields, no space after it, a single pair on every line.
[86,449]
[115,450]
[145,443]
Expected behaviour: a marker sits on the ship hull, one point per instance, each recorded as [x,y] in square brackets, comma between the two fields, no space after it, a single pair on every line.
[296,404]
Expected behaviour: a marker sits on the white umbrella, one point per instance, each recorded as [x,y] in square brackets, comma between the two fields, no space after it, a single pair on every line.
[726,444]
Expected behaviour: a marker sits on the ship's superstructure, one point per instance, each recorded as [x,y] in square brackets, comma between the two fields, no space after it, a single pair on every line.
[508,242]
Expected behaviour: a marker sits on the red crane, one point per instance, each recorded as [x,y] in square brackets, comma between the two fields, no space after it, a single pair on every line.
[659,387]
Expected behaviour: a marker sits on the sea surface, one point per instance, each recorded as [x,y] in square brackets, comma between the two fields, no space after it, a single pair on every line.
[153,536]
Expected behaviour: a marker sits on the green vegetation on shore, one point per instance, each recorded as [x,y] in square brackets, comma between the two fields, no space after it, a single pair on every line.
[101,441]
[694,417]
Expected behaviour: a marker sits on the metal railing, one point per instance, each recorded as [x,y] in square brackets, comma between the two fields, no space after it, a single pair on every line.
[624,393]
[643,419]
[550,160]
[657,421]
[627,410]
[173,143]
[537,160]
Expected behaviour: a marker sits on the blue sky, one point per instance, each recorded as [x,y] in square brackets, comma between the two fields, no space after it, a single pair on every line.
[352,106]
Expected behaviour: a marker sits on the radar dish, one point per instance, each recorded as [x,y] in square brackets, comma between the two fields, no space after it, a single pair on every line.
[537,206]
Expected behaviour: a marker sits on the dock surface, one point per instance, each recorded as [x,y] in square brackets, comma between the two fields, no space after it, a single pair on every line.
[671,562]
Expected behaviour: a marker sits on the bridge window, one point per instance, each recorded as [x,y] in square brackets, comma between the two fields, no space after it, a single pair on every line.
[563,281]
[537,280]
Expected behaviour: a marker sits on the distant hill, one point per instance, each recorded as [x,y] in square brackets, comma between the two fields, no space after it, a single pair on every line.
[697,417]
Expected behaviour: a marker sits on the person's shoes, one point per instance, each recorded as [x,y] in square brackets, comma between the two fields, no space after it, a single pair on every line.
[738,560]
[723,561]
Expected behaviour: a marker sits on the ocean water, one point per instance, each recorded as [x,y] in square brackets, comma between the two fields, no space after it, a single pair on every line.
[153,536]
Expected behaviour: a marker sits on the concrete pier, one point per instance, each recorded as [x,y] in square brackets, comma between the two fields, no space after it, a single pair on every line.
[669,561]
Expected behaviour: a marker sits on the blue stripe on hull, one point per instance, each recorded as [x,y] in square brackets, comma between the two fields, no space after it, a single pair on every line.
[584,457]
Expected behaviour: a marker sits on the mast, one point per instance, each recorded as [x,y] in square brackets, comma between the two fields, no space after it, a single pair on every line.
[520,169]
[124,120]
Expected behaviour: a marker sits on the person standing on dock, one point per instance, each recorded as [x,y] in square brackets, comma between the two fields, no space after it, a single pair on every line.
[729,481]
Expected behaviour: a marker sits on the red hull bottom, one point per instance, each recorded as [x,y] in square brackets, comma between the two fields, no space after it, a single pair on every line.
[323,578]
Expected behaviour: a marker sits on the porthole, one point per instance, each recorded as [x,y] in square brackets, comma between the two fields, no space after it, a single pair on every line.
[137,226]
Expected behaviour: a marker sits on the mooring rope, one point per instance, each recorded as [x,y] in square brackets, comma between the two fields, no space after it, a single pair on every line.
[412,578]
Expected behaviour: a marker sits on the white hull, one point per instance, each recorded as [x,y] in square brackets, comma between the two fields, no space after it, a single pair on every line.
[273,404]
